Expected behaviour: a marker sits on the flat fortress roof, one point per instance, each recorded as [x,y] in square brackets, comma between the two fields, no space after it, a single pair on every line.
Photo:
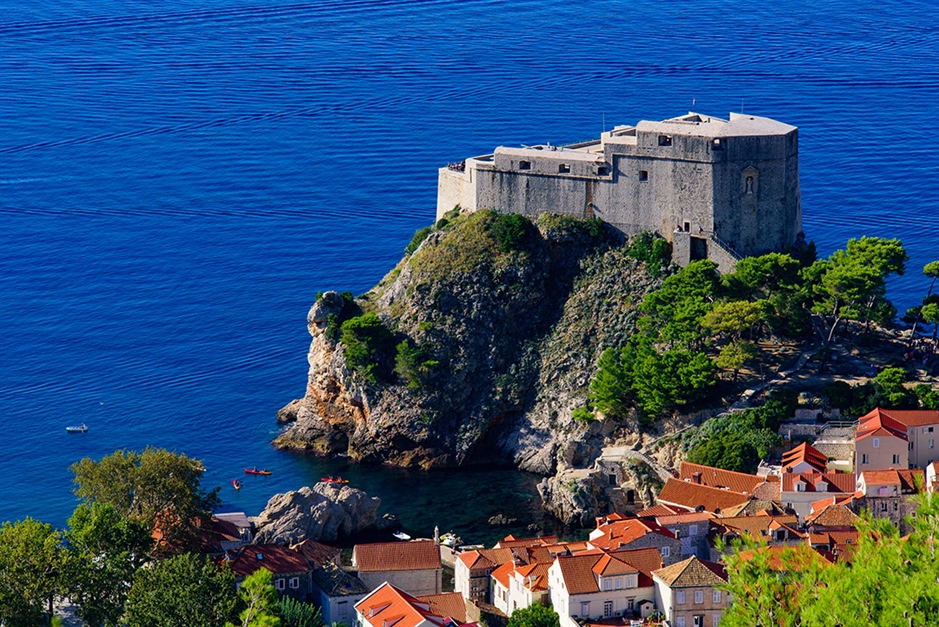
[696,124]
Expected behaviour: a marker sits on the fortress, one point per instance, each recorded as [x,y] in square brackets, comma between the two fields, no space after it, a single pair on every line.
[717,189]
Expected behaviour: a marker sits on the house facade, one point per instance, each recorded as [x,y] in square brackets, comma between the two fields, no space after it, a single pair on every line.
[689,595]
[413,567]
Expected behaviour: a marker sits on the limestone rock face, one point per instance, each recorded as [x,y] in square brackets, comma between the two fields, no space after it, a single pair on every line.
[322,513]
[508,337]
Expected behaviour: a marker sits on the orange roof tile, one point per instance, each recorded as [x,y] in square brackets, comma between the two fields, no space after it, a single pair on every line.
[660,509]
[805,453]
[879,423]
[719,478]
[388,606]
[501,574]
[910,417]
[449,605]
[511,542]
[380,556]
[645,560]
[834,481]
[684,517]
[609,565]
[682,493]
[623,532]
[274,557]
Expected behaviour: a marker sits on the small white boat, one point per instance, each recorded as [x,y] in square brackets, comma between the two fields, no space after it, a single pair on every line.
[450,540]
[400,535]
[77,429]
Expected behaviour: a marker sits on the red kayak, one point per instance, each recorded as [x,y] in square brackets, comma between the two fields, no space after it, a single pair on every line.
[255,471]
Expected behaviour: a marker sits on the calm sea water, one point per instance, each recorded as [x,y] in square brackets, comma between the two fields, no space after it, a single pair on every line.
[178,180]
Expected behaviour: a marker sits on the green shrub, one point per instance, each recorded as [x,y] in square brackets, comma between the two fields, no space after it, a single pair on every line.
[419,237]
[441,223]
[583,414]
[509,231]
[368,343]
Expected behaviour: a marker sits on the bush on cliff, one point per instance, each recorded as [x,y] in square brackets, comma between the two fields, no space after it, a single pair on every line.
[368,344]
[419,236]
[653,251]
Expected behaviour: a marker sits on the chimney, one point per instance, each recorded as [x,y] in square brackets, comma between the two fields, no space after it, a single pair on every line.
[696,478]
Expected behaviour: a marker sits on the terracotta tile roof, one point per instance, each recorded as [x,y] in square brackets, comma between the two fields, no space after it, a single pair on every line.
[755,507]
[577,573]
[879,423]
[660,509]
[833,481]
[381,556]
[623,532]
[692,572]
[511,542]
[805,453]
[719,478]
[768,491]
[485,558]
[278,559]
[684,517]
[534,576]
[609,565]
[909,477]
[388,606]
[449,605]
[336,582]
[316,552]
[880,477]
[645,560]
[682,493]
[909,417]
[757,526]
[501,574]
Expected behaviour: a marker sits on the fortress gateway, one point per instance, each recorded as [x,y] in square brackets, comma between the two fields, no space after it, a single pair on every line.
[717,189]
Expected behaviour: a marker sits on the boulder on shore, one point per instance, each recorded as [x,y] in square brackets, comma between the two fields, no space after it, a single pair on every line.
[323,513]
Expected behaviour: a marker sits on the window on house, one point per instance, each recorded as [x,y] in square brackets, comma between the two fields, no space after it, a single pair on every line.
[294,582]
[699,596]
[602,170]
[864,458]
[665,551]
[564,168]
[585,608]
[932,443]
[896,459]
[279,584]
[717,144]
[800,487]
[883,507]
[630,604]
[619,583]
[876,442]
[697,620]
[930,430]
[716,597]
[630,582]
[607,609]
[911,446]
[607,584]
[715,620]
[524,165]
[680,621]
[665,140]
[643,175]
[896,506]
[680,597]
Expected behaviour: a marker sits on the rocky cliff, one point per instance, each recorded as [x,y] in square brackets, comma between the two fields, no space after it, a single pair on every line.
[508,321]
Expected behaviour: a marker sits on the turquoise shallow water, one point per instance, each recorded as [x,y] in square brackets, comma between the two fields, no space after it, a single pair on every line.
[177,181]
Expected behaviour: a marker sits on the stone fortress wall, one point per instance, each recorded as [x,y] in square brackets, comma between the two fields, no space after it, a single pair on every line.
[731,186]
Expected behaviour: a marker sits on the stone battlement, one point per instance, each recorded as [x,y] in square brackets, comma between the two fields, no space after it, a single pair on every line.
[729,187]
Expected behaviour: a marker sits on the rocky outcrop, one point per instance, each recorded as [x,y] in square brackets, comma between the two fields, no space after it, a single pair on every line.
[508,337]
[324,513]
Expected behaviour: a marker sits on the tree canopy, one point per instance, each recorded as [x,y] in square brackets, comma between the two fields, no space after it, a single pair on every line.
[30,571]
[160,488]
[535,615]
[185,589]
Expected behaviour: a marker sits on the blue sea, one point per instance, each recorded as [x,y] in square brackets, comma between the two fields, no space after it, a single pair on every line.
[179,179]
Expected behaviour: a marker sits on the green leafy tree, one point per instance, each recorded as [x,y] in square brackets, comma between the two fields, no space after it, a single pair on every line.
[185,589]
[735,355]
[30,572]
[729,451]
[510,230]
[675,310]
[535,615]
[757,278]
[419,236]
[160,488]
[851,284]
[611,386]
[260,600]
[670,379]
[930,314]
[368,342]
[295,613]
[890,581]
[104,550]
[735,318]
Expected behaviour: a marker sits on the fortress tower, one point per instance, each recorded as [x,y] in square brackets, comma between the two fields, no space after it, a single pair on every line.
[730,186]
